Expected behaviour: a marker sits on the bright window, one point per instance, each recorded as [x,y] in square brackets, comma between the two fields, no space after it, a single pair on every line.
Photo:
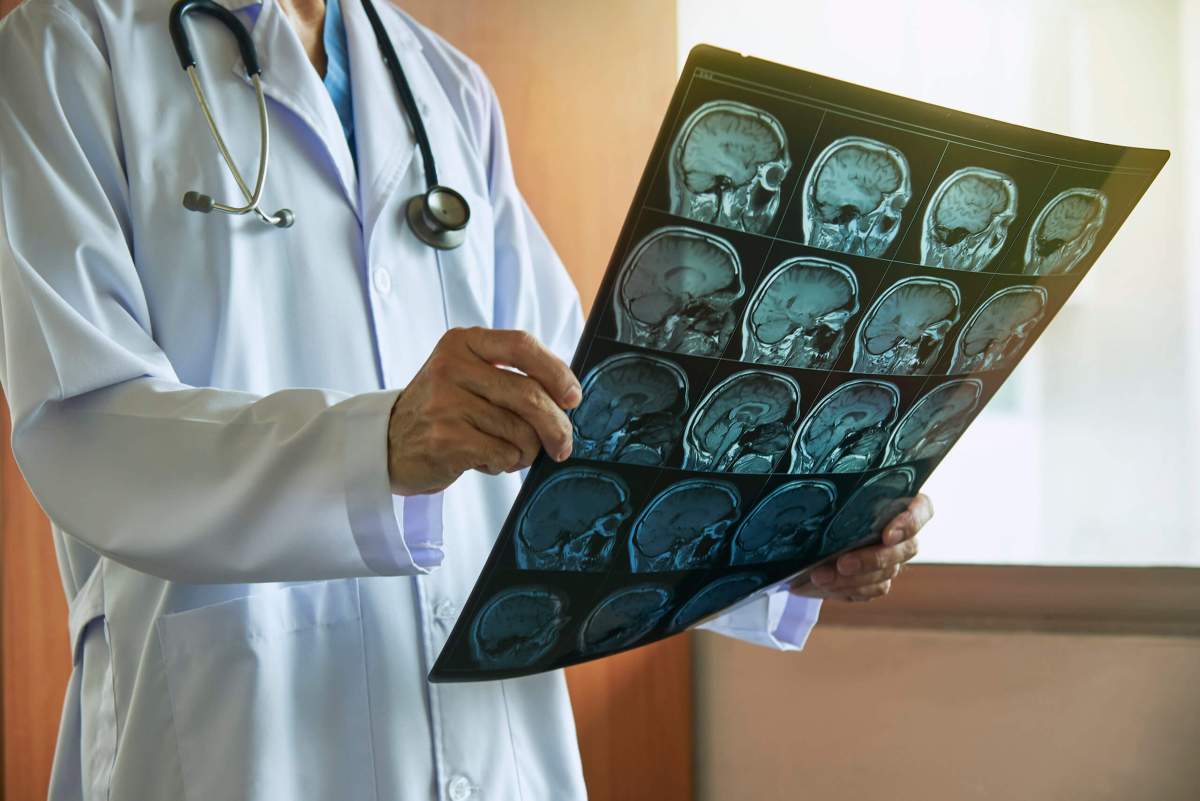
[1088,454]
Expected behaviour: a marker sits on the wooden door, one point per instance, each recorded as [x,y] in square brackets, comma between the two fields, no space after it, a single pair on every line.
[583,86]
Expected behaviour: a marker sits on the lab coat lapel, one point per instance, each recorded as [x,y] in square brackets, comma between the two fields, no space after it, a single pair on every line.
[386,144]
[289,79]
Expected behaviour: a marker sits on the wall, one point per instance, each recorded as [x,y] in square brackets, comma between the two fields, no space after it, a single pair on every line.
[914,716]
[34,655]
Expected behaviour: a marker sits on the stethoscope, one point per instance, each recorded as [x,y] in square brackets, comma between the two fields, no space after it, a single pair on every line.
[438,217]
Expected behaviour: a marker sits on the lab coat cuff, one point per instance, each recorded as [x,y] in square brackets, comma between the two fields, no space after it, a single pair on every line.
[773,619]
[792,618]
[395,535]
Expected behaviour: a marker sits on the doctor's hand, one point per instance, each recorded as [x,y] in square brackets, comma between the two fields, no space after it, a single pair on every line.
[867,573]
[465,411]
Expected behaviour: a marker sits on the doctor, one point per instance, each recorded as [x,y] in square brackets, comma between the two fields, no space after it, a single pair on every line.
[275,460]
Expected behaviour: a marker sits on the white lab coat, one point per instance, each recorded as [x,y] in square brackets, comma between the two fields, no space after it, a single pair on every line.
[200,405]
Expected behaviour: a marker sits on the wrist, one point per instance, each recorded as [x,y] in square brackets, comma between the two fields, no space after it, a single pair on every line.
[393,454]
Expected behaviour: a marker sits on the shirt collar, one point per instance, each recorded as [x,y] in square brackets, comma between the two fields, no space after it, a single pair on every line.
[237,5]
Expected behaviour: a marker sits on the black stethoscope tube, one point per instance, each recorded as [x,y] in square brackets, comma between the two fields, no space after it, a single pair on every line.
[183,46]
[392,61]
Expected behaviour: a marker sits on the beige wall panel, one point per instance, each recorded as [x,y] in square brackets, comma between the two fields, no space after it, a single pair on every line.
[927,716]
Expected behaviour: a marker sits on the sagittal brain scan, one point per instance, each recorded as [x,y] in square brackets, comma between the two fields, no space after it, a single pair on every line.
[744,425]
[571,521]
[518,627]
[727,166]
[905,329]
[1064,231]
[854,195]
[685,527]
[996,332]
[967,220]
[847,431]
[799,313]
[632,410]
[753,405]
[934,422]
[869,508]
[787,524]
[721,593]
[676,293]
[624,617]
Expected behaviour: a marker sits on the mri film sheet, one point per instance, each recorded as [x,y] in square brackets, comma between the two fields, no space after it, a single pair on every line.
[817,289]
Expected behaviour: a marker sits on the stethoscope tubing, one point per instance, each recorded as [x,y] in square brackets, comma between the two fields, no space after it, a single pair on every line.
[438,217]
[264,150]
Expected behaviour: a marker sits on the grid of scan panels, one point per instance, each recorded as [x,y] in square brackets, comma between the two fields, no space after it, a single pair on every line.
[730,440]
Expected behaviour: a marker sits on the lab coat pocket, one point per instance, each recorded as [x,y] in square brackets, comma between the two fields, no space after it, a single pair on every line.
[269,696]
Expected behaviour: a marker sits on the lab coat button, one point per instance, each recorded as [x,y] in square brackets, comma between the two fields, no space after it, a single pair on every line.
[383,281]
[460,788]
[446,611]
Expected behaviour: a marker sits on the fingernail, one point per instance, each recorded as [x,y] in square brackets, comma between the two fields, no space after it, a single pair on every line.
[822,576]
[848,565]
[573,397]
[893,536]
[564,454]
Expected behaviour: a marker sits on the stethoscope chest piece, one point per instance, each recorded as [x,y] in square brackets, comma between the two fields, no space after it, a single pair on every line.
[439,217]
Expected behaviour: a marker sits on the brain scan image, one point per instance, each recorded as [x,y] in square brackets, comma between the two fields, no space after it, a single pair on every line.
[1064,231]
[632,410]
[624,618]
[676,293]
[905,329]
[996,332]
[684,527]
[870,508]
[744,425]
[854,195]
[571,521]
[799,313]
[967,220]
[721,593]
[727,166]
[934,422]
[787,524]
[517,627]
[847,431]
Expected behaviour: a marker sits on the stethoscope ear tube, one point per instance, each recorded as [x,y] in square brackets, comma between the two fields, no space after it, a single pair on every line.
[197,201]
[183,47]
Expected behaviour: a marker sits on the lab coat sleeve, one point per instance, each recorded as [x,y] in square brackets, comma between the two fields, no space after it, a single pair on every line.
[776,619]
[533,289]
[187,483]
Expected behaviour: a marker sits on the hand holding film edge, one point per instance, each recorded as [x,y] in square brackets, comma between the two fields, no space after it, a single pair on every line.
[817,288]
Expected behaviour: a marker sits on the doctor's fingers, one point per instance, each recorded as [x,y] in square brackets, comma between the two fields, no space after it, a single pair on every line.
[523,351]
[502,424]
[829,582]
[525,398]
[905,525]
[876,557]
[485,453]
